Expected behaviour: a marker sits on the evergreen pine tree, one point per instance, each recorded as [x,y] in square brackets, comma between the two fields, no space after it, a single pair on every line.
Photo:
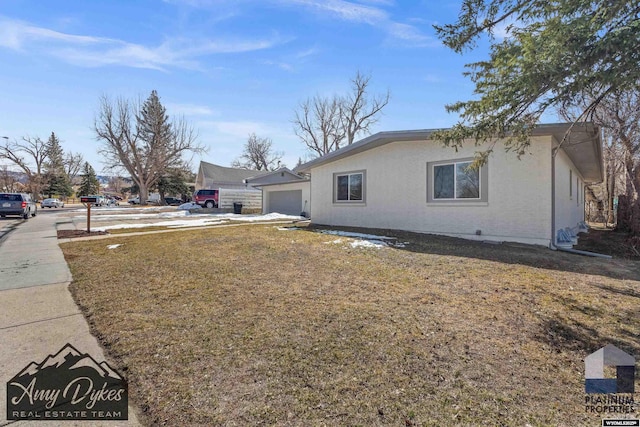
[57,185]
[56,179]
[173,183]
[55,155]
[153,125]
[90,184]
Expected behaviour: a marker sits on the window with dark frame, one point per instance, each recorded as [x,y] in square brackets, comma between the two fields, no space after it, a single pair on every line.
[570,183]
[455,181]
[349,187]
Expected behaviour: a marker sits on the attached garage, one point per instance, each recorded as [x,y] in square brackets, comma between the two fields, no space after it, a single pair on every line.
[285,201]
[290,198]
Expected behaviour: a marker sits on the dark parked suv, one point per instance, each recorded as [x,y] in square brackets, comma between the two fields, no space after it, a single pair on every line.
[17,204]
[206,198]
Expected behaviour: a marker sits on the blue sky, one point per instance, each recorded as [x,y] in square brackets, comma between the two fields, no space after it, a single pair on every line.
[229,67]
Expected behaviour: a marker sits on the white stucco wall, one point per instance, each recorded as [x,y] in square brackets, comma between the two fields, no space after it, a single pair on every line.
[569,198]
[305,186]
[519,193]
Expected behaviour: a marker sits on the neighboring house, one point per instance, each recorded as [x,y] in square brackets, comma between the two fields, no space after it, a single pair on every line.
[285,200]
[213,177]
[404,180]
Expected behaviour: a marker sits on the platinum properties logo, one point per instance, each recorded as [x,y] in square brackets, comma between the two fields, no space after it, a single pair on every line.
[67,386]
[610,395]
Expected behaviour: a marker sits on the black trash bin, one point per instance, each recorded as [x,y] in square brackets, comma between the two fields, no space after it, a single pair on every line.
[237,208]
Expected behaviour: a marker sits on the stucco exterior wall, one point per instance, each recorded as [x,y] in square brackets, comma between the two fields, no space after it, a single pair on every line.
[518,206]
[569,193]
[305,186]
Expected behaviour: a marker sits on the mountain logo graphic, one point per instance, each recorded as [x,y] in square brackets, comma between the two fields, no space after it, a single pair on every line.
[68,385]
[609,355]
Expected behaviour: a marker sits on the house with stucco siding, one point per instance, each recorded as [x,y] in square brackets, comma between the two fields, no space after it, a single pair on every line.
[405,180]
[211,176]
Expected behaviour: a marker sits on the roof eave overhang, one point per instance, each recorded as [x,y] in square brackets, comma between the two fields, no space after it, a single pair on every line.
[587,160]
[582,144]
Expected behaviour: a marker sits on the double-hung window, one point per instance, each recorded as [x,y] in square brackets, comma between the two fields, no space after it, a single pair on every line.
[349,187]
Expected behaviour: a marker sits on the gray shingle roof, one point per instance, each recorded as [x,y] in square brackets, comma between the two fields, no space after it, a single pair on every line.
[223,174]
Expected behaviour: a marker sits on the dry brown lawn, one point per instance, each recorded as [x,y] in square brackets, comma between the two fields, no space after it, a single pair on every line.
[250,325]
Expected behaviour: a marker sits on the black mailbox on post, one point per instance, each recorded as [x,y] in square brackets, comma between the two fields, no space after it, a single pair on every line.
[88,201]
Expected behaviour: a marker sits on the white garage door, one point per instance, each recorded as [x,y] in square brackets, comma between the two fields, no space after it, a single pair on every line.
[286,202]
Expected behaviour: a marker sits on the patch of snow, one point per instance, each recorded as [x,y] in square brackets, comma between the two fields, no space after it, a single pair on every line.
[259,217]
[198,222]
[114,246]
[187,206]
[287,228]
[98,209]
[134,216]
[205,222]
[184,219]
[356,235]
[335,242]
[365,240]
[368,244]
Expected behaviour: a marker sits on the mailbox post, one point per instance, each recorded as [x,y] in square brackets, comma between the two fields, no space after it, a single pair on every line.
[88,201]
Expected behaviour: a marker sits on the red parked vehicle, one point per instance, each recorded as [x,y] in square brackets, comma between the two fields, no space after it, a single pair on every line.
[206,198]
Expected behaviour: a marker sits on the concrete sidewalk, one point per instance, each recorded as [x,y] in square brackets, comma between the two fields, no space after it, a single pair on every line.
[37,314]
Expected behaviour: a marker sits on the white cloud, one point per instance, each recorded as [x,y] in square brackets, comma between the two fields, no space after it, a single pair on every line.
[291,62]
[280,64]
[374,15]
[236,129]
[92,51]
[190,109]
[207,47]
[379,2]
[411,34]
[308,52]
[345,10]
[15,34]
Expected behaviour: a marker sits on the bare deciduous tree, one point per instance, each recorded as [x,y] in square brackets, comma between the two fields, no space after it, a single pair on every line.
[8,180]
[140,138]
[30,156]
[317,123]
[618,114]
[72,164]
[258,155]
[358,111]
[116,184]
[324,124]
